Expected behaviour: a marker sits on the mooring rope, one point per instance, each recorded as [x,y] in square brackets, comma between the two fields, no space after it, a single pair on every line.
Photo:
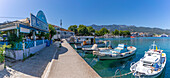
[121,75]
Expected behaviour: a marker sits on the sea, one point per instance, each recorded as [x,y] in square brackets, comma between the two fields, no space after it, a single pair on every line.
[108,68]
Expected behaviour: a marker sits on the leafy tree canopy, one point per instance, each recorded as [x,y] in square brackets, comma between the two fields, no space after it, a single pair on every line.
[90,29]
[52,30]
[103,31]
[82,30]
[73,28]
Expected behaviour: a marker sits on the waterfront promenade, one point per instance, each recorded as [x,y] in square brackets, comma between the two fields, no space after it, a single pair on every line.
[69,64]
[32,67]
[51,62]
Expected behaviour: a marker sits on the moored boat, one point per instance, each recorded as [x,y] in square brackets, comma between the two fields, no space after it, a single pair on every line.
[122,51]
[132,36]
[96,46]
[93,48]
[151,65]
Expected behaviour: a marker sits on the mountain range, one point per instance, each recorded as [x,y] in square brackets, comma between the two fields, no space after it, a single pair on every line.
[132,28]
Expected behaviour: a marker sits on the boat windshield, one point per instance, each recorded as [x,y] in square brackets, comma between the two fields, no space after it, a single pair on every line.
[145,63]
[117,50]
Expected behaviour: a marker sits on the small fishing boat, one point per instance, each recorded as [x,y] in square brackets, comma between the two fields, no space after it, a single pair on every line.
[95,46]
[78,45]
[132,36]
[151,65]
[119,52]
[88,44]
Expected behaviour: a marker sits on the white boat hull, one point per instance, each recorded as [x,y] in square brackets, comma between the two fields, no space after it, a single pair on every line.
[87,46]
[151,75]
[116,57]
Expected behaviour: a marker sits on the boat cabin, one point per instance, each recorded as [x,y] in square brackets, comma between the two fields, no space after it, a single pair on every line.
[121,48]
[86,39]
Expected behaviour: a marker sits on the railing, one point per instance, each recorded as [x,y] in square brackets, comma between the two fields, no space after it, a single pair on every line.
[26,44]
[29,44]
[38,42]
[2,43]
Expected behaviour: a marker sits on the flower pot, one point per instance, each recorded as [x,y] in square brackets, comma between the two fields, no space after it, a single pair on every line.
[2,66]
[58,43]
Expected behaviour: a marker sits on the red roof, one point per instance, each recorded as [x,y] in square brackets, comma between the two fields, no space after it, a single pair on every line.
[55,26]
[65,30]
[62,29]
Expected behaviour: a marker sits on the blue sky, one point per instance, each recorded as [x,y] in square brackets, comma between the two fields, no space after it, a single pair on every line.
[149,13]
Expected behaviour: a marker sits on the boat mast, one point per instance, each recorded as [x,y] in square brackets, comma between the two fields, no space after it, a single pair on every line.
[153,44]
[119,34]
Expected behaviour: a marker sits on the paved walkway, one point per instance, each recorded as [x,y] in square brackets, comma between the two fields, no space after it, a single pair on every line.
[32,67]
[69,64]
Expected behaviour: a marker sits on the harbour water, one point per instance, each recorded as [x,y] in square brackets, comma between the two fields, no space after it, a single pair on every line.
[107,68]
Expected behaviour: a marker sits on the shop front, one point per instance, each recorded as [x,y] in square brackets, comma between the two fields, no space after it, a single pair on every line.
[27,36]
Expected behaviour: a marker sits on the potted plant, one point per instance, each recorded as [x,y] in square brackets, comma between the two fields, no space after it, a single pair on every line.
[58,41]
[2,55]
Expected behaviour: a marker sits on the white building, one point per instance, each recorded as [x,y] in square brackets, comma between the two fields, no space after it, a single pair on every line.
[62,33]
[66,33]
[58,32]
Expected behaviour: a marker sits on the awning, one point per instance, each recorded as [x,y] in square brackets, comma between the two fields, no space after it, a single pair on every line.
[8,28]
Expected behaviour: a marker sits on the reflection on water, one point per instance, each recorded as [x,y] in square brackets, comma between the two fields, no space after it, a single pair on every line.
[107,68]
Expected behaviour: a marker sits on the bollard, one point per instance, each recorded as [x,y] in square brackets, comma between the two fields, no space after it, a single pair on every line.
[35,43]
[23,45]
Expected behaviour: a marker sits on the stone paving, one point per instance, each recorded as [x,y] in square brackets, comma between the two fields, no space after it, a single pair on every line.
[69,64]
[66,64]
[32,67]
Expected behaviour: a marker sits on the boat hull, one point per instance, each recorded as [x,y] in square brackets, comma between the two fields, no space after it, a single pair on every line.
[87,46]
[150,76]
[115,57]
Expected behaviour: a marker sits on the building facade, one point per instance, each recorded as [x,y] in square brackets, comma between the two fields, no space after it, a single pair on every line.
[62,33]
[66,33]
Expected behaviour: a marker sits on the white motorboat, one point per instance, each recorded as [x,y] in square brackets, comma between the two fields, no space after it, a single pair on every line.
[87,44]
[151,65]
[78,45]
[93,48]
[119,52]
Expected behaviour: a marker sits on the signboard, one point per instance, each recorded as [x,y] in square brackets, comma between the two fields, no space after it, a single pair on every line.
[24,30]
[37,23]
[8,28]
[41,16]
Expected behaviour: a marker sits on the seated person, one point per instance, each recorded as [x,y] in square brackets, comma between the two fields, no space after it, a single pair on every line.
[155,67]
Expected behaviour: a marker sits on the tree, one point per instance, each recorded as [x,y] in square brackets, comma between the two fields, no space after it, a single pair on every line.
[121,33]
[73,28]
[90,30]
[52,31]
[103,31]
[47,35]
[97,33]
[82,30]
[126,33]
[116,32]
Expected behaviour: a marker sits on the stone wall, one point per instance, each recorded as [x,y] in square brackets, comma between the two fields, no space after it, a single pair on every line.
[21,54]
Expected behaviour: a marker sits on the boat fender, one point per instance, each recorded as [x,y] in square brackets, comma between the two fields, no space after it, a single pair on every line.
[110,55]
[130,52]
[132,63]
[121,54]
